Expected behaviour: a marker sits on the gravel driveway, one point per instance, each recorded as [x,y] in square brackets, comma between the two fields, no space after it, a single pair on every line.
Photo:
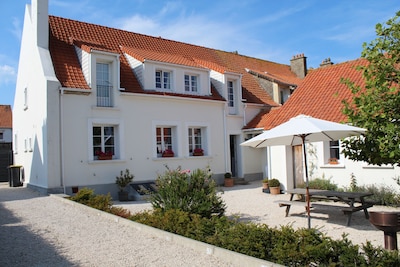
[40,230]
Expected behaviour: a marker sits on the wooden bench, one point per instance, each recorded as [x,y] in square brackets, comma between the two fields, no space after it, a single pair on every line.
[350,210]
[289,203]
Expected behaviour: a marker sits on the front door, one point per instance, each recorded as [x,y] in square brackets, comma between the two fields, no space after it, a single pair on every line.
[298,165]
[233,153]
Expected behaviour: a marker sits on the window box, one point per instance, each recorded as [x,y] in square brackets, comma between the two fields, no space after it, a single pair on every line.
[104,157]
[198,152]
[333,161]
[168,153]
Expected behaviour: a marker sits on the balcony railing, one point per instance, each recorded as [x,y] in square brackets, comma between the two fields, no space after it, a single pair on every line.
[104,96]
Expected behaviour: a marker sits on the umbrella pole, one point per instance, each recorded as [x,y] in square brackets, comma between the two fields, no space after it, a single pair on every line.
[303,137]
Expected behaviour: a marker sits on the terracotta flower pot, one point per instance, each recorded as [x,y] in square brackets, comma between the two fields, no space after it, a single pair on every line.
[275,190]
[228,182]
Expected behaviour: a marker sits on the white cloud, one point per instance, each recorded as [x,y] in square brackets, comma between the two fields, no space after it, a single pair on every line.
[7,74]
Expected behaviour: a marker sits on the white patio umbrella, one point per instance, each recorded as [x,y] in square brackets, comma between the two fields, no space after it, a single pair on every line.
[298,131]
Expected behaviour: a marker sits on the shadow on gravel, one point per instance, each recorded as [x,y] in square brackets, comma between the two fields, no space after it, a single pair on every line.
[18,245]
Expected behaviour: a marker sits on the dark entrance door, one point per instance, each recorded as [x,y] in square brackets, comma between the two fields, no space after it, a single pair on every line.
[233,152]
[5,160]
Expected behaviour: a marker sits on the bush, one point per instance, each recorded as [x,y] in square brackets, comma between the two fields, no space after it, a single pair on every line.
[87,197]
[383,195]
[193,192]
[321,184]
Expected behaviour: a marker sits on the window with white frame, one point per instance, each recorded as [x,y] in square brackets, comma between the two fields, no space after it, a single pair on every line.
[191,83]
[103,84]
[195,142]
[231,94]
[104,145]
[165,136]
[163,79]
[334,151]
[26,98]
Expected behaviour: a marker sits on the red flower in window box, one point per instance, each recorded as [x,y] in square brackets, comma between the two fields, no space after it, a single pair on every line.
[198,152]
[104,155]
[168,153]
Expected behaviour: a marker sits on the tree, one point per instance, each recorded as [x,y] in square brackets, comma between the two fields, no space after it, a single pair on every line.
[376,106]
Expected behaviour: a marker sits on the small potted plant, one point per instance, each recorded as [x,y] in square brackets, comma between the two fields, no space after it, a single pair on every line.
[228,180]
[198,152]
[167,153]
[122,181]
[274,186]
[265,186]
[333,161]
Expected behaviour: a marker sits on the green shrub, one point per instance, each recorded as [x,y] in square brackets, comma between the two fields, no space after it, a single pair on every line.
[192,192]
[274,182]
[87,197]
[321,184]
[382,195]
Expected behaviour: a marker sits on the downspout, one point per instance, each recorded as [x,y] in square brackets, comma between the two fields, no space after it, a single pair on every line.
[61,128]
[225,140]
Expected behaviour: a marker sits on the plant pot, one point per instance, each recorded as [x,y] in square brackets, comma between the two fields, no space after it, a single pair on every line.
[123,196]
[265,185]
[167,155]
[275,190]
[228,182]
[198,154]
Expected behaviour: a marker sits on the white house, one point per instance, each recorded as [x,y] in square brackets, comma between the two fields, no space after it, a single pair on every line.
[319,95]
[85,90]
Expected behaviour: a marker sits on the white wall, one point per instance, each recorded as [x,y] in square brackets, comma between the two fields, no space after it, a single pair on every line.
[34,145]
[137,114]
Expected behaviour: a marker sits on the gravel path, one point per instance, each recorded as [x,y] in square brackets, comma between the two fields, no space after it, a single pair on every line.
[37,230]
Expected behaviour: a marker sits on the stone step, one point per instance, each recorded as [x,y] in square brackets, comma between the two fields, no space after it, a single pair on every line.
[239,181]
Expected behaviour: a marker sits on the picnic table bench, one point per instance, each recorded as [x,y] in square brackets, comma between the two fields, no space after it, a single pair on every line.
[355,200]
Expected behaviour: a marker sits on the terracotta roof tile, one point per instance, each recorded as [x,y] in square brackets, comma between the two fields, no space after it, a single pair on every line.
[65,33]
[320,95]
[5,116]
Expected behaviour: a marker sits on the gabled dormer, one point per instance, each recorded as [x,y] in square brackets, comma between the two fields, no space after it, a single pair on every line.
[101,71]
[169,73]
[229,86]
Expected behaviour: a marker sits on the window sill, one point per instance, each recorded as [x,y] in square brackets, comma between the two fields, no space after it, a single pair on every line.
[105,108]
[333,166]
[102,161]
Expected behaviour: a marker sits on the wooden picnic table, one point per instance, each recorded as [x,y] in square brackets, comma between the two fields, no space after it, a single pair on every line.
[355,200]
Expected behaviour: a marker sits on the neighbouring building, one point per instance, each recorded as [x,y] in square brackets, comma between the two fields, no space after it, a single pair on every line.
[319,95]
[6,158]
[91,101]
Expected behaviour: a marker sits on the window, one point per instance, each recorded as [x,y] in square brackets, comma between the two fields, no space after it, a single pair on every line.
[231,96]
[1,135]
[191,83]
[104,85]
[103,141]
[25,98]
[163,79]
[164,141]
[334,151]
[195,140]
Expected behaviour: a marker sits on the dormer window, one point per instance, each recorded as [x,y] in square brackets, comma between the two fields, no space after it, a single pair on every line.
[191,83]
[103,85]
[163,79]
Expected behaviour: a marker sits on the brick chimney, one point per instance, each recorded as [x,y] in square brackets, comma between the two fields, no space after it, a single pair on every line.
[298,64]
[326,62]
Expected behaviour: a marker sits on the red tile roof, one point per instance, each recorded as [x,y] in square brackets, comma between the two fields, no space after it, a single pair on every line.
[5,116]
[320,95]
[65,33]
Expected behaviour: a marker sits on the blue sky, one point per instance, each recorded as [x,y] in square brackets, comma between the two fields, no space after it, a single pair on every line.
[268,29]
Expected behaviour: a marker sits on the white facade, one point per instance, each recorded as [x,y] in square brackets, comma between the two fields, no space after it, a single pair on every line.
[54,127]
[278,162]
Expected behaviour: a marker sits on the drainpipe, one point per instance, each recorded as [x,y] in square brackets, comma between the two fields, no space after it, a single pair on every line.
[225,140]
[61,128]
